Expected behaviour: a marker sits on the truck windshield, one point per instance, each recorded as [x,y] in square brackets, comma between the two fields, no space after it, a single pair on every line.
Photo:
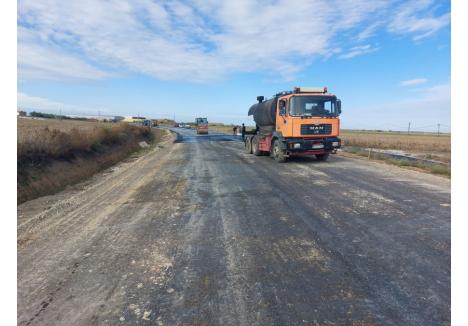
[201,121]
[322,106]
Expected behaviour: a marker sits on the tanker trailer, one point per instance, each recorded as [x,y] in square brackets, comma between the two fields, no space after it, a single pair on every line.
[304,121]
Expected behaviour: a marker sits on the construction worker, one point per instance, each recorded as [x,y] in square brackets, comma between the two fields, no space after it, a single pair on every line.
[234,130]
[243,131]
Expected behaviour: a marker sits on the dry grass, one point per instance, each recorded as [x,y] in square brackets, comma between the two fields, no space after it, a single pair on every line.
[227,129]
[165,122]
[41,180]
[61,139]
[424,146]
[26,125]
[432,168]
[411,142]
[54,153]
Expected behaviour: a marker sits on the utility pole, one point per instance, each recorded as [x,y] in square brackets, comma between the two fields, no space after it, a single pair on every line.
[438,129]
[409,127]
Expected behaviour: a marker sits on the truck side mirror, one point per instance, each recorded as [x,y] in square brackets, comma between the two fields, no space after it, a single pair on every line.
[338,106]
[260,99]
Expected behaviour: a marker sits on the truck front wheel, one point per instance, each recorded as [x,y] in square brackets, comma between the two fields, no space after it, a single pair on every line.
[277,152]
[248,145]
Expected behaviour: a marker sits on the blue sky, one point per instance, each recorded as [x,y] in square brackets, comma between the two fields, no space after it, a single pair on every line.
[389,61]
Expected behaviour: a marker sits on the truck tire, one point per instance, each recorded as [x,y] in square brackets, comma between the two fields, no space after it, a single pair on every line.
[248,145]
[277,152]
[255,150]
[322,157]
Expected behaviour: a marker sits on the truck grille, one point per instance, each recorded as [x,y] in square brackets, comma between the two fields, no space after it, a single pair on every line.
[321,129]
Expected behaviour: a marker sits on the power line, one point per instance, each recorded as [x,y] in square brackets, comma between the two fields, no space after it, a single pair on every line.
[421,127]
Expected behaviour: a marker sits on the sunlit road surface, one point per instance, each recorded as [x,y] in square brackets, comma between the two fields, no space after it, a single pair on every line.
[197,232]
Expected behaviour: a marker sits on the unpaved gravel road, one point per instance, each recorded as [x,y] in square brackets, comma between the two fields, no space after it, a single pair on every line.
[199,233]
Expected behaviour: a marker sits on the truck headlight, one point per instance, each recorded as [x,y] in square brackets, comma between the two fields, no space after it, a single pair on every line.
[336,144]
[297,145]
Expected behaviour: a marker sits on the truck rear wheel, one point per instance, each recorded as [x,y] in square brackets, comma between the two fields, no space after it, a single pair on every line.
[322,157]
[277,152]
[255,149]
[248,145]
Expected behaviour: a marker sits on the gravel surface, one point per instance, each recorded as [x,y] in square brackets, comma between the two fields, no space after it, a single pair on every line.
[197,232]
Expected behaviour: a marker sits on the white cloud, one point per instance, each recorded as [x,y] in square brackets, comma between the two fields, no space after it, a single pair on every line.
[413,82]
[359,50]
[40,62]
[418,18]
[368,31]
[424,109]
[194,40]
[437,92]
[29,102]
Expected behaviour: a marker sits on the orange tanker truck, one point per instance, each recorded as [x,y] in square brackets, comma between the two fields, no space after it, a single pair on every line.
[201,125]
[304,121]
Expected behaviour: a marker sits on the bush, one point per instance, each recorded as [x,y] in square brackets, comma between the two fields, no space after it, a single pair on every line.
[42,115]
[55,144]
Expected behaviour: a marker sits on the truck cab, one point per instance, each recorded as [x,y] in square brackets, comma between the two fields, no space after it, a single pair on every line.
[304,121]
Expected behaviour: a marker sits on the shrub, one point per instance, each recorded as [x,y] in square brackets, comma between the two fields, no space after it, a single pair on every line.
[42,144]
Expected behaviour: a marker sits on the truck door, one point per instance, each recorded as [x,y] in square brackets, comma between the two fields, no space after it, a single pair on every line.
[283,126]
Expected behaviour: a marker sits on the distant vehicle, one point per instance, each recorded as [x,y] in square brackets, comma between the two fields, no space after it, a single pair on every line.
[302,122]
[201,124]
[176,125]
[148,123]
[117,118]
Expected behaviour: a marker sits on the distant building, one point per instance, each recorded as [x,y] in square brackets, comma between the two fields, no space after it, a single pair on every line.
[134,119]
[21,113]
